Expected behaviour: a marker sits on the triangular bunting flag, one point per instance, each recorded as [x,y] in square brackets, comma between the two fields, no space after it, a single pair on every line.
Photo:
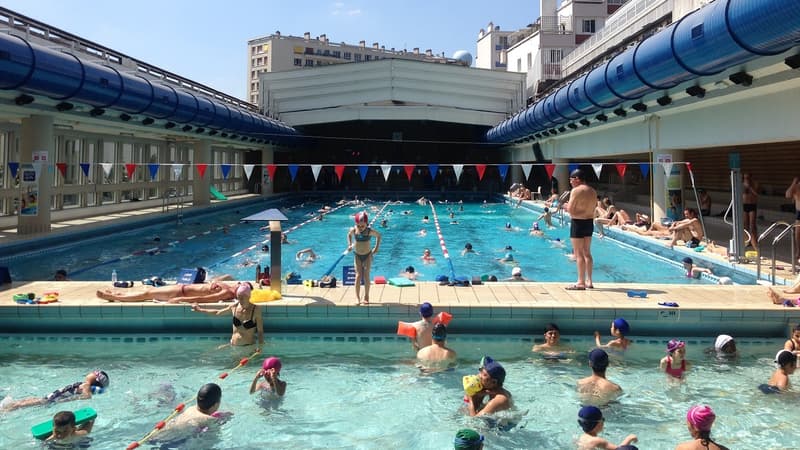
[226,170]
[503,168]
[315,168]
[339,171]
[409,168]
[387,170]
[621,169]
[689,166]
[458,168]
[481,168]
[130,168]
[363,170]
[248,170]
[153,170]
[201,169]
[271,168]
[598,168]
[177,171]
[293,171]
[13,167]
[62,167]
[85,169]
[550,168]
[433,169]
[645,168]
[667,168]
[526,170]
[107,168]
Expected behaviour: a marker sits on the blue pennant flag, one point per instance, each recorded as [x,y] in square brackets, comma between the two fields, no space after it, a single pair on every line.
[433,169]
[293,171]
[573,167]
[503,168]
[363,170]
[13,166]
[85,168]
[226,169]
[645,168]
[153,170]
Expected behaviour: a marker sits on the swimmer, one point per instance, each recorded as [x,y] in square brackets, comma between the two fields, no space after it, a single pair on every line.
[437,356]
[422,233]
[492,376]
[516,275]
[536,231]
[61,275]
[427,258]
[699,420]
[95,382]
[271,371]
[597,389]
[508,257]
[409,273]
[676,356]
[424,327]
[552,342]
[557,243]
[425,219]
[66,433]
[787,364]
[247,321]
[306,255]
[793,343]
[693,271]
[384,223]
[193,418]
[265,248]
[468,249]
[591,420]
[619,328]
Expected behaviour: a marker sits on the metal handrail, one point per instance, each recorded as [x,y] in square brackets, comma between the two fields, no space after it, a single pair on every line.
[787,227]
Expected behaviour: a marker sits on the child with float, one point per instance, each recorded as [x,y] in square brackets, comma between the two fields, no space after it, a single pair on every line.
[619,328]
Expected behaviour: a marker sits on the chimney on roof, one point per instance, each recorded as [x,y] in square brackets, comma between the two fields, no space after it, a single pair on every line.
[375,45]
[481,33]
[362,44]
[383,48]
[416,50]
[307,35]
[323,38]
[429,52]
[277,33]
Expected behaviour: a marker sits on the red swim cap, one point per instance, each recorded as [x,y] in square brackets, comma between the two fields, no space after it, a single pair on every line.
[362,217]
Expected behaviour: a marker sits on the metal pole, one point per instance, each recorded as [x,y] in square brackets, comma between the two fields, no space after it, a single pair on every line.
[737,250]
[697,201]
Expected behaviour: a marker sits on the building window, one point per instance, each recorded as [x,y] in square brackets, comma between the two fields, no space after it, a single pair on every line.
[319,62]
[519,64]
[504,41]
[309,63]
[588,26]
[252,74]
[347,55]
[367,57]
[298,62]
[259,61]
[309,51]
[357,57]
[530,60]
[326,52]
[555,55]
[337,54]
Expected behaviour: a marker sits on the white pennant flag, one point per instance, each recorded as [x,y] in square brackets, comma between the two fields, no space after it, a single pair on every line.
[107,168]
[597,169]
[457,168]
[667,168]
[248,170]
[177,171]
[387,170]
[315,168]
[526,169]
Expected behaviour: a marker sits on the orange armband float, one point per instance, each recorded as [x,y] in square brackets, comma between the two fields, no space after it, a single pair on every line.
[406,329]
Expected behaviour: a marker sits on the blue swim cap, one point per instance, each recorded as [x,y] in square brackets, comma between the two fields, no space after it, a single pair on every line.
[622,325]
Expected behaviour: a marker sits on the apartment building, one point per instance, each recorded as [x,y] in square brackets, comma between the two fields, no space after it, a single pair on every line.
[279,53]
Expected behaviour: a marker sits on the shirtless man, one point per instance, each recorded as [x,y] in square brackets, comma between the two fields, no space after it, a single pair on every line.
[581,205]
[492,376]
[424,327]
[177,293]
[596,389]
[750,206]
[794,193]
[194,417]
[437,356]
[688,230]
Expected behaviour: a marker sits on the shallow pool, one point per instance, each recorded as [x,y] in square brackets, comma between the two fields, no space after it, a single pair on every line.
[221,242]
[363,392]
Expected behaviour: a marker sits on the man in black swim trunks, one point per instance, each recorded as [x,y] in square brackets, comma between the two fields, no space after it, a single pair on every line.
[582,201]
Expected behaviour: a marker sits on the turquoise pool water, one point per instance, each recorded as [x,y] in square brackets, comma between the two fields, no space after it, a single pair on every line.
[363,392]
[220,242]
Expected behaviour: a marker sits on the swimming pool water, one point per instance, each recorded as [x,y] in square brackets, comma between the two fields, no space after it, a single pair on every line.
[363,392]
[220,242]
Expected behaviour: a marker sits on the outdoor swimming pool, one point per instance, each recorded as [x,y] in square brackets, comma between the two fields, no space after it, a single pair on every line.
[218,241]
[363,392]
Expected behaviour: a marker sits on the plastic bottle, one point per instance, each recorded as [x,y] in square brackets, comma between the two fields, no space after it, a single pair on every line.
[114,276]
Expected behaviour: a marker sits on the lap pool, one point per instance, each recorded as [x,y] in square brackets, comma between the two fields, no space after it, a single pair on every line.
[363,392]
[223,244]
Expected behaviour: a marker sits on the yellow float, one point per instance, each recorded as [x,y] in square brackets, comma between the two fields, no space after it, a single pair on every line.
[264,296]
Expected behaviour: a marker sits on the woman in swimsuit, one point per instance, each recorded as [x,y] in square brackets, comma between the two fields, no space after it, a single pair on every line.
[247,320]
[676,357]
[362,234]
[699,420]
[793,344]
[178,293]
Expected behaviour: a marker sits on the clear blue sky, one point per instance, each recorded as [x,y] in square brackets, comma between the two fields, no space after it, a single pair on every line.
[207,41]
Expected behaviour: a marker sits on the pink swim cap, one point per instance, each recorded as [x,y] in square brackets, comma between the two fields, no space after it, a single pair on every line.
[272,363]
[361,217]
[701,417]
[244,289]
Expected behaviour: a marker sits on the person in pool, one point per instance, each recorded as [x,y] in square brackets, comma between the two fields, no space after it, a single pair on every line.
[247,321]
[793,343]
[424,327]
[552,346]
[693,271]
[779,381]
[95,382]
[536,231]
[468,439]
[359,239]
[437,356]
[427,258]
[492,375]
[724,346]
[195,418]
[409,273]
[699,420]
[591,420]
[675,364]
[468,249]
[619,328]
[597,389]
[66,433]
[271,371]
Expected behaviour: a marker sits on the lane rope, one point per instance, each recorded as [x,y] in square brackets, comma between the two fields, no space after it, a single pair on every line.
[445,253]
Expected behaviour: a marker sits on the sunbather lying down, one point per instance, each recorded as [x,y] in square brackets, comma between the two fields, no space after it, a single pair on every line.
[178,293]
[778,299]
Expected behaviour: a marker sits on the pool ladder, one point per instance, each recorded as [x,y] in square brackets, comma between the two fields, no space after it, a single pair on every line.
[785,228]
[170,195]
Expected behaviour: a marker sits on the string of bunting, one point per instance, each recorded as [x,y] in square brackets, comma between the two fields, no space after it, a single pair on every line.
[360,169]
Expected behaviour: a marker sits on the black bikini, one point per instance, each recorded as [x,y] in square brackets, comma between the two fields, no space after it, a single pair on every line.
[248,324]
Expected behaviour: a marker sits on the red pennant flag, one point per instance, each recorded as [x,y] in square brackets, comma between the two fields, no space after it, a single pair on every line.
[621,169]
[201,169]
[481,170]
[130,167]
[271,168]
[550,168]
[689,166]
[62,167]
[339,171]
[409,170]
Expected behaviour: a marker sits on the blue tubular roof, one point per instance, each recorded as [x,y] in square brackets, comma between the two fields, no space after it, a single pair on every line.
[39,70]
[710,40]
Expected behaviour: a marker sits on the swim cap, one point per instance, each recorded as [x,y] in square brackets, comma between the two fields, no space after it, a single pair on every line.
[589,417]
[273,362]
[721,341]
[361,217]
[516,271]
[701,417]
[598,359]
[508,247]
[622,325]
[467,439]
[101,378]
[494,369]
[785,357]
[439,332]
[468,246]
[675,344]
[688,260]
[243,289]
[426,309]
[577,173]
[535,225]
[410,269]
